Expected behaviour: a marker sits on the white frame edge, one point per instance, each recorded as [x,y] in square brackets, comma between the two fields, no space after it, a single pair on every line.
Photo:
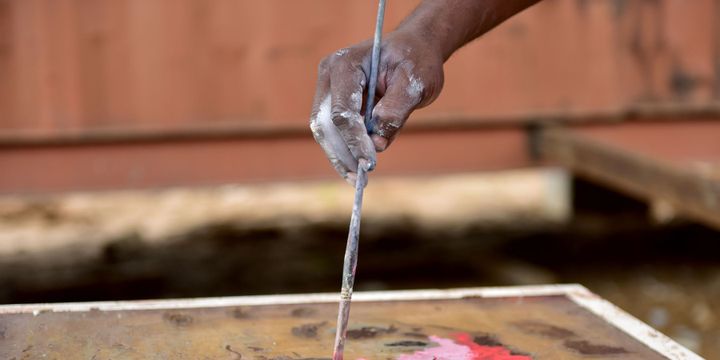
[632,326]
[433,294]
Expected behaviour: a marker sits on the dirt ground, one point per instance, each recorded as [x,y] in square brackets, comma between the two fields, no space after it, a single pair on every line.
[502,229]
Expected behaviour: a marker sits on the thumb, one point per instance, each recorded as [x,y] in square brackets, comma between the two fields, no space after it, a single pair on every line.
[404,93]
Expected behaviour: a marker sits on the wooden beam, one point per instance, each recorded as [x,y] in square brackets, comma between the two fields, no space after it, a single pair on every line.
[603,158]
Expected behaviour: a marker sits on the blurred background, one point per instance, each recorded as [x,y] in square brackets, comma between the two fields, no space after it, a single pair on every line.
[160,148]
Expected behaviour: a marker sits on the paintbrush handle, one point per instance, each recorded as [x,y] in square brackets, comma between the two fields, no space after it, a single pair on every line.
[350,261]
[374,65]
[351,249]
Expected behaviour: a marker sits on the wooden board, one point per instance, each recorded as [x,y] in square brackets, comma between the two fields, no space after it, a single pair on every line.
[548,322]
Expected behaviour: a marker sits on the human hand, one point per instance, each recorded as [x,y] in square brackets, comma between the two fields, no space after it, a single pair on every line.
[410,76]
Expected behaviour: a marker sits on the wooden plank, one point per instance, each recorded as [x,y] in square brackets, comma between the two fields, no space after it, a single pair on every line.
[169,63]
[645,168]
[541,322]
[213,160]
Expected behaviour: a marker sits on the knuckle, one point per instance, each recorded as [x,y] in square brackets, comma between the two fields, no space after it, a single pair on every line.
[387,130]
[391,114]
[394,53]
[390,127]
[341,117]
[341,52]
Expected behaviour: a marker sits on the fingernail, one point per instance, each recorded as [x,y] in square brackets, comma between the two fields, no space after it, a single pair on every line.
[367,165]
[380,142]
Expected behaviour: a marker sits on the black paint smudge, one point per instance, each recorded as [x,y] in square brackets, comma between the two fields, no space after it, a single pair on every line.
[369,332]
[418,335]
[492,341]
[547,330]
[408,343]
[487,340]
[178,319]
[303,312]
[230,349]
[239,313]
[587,348]
[308,331]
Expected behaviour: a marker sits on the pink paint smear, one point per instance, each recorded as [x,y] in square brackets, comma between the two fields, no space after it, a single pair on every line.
[462,348]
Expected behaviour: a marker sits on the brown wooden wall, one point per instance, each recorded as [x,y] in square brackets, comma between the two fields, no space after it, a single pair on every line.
[106,94]
[69,65]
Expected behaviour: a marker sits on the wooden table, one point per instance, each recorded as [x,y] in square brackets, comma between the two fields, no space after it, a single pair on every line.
[515,323]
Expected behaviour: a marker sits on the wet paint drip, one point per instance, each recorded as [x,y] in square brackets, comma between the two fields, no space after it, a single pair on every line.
[462,348]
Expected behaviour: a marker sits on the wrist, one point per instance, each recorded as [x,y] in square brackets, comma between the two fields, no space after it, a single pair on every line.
[450,24]
[434,33]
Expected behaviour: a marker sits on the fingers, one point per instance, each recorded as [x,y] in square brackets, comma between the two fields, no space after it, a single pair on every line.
[404,93]
[336,122]
[347,82]
[324,131]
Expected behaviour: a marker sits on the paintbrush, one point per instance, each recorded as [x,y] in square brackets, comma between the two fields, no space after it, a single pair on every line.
[351,249]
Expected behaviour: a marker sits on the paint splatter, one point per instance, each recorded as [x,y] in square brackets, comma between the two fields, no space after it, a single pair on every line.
[446,349]
[307,330]
[463,347]
[408,343]
[484,352]
[303,312]
[177,319]
[368,332]
[542,329]
[587,348]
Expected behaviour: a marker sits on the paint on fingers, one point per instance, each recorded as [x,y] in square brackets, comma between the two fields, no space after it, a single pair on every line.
[356,99]
[332,142]
[415,88]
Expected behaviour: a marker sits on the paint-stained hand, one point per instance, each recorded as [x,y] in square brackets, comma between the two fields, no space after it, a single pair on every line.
[410,76]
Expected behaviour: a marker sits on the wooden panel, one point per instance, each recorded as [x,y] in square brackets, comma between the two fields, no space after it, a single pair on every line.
[79,64]
[227,159]
[491,324]
[673,162]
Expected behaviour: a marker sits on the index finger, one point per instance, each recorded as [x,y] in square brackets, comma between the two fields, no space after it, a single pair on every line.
[347,84]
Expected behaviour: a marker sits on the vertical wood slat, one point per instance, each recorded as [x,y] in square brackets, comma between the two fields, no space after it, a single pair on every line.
[7,78]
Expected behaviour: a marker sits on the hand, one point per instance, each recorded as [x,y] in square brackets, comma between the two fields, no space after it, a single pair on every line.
[410,76]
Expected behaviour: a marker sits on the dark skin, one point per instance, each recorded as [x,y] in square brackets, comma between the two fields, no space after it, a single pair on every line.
[410,76]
